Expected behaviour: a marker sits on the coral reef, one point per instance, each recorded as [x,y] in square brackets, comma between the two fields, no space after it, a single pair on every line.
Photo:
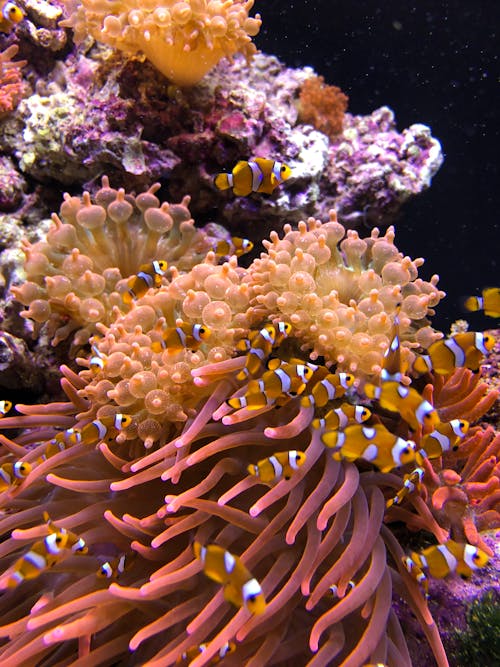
[479,643]
[177,471]
[11,80]
[322,106]
[183,39]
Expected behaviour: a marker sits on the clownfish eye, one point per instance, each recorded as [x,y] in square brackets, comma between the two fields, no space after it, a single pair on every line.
[286,477]
[405,451]
[476,556]
[283,168]
[58,539]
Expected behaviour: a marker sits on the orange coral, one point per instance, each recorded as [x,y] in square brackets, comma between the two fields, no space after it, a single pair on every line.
[11,82]
[184,39]
[322,106]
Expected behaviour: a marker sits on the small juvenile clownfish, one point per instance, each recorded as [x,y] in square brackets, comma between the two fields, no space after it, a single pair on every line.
[10,14]
[12,474]
[259,346]
[45,553]
[407,401]
[240,587]
[374,444]
[444,438]
[149,275]
[235,246]
[325,386]
[194,651]
[441,560]
[463,350]
[5,407]
[334,589]
[338,418]
[104,429]
[184,336]
[288,380]
[255,175]
[489,302]
[112,569]
[411,482]
[281,465]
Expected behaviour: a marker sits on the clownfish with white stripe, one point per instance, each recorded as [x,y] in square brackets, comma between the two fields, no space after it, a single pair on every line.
[411,483]
[240,587]
[10,14]
[281,465]
[414,409]
[338,418]
[184,336]
[45,553]
[286,381]
[5,407]
[234,246]
[463,350]
[325,386]
[104,429]
[149,275]
[112,569]
[374,444]
[334,589]
[259,346]
[194,651]
[444,438]
[12,474]
[489,302]
[441,560]
[255,175]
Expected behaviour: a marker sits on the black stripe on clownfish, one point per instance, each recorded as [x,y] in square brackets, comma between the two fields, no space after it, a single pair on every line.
[255,175]
[240,587]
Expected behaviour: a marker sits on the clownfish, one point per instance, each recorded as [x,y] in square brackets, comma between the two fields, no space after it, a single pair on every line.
[149,275]
[338,418]
[184,336]
[440,560]
[5,407]
[45,553]
[489,302]
[407,401]
[97,362]
[411,482]
[194,651]
[255,175]
[374,444]
[12,474]
[281,465]
[112,569]
[240,587]
[235,246]
[463,350]
[288,380]
[106,428]
[444,438]
[334,589]
[259,346]
[10,14]
[325,386]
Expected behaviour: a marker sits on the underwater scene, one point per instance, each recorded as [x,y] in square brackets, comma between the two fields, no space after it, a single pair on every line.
[249,343]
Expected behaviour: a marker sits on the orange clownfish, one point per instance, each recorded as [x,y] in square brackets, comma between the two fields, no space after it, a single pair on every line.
[374,444]
[235,246]
[240,587]
[281,465]
[338,418]
[411,482]
[194,651]
[444,438]
[407,401]
[489,302]
[325,386]
[259,346]
[106,428]
[441,560]
[255,175]
[149,275]
[5,407]
[112,569]
[12,474]
[184,336]
[10,14]
[45,553]
[463,350]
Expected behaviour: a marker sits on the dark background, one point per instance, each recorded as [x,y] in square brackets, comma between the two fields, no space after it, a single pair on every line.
[434,62]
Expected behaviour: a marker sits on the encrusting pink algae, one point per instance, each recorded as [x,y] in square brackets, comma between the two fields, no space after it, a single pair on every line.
[173,471]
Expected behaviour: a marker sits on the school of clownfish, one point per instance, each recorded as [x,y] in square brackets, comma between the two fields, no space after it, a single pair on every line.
[272,381]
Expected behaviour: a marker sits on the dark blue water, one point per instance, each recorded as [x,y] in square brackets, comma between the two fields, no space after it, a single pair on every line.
[434,62]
